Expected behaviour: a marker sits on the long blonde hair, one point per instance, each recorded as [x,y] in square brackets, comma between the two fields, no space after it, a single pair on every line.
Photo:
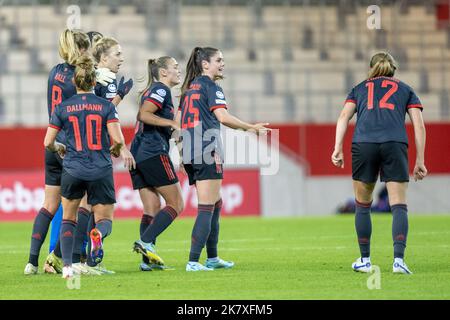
[71,42]
[84,75]
[382,64]
[101,46]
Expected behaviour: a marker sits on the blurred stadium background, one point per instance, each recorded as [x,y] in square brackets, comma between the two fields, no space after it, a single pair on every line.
[288,62]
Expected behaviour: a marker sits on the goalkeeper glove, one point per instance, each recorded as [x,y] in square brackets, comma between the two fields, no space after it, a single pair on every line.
[124,87]
[104,76]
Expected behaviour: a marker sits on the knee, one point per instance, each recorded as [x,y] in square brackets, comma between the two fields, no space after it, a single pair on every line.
[177,205]
[180,206]
[152,208]
[51,206]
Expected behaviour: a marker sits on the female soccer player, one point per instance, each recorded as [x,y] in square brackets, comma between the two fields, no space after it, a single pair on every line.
[72,44]
[204,108]
[108,54]
[380,144]
[155,174]
[53,263]
[87,121]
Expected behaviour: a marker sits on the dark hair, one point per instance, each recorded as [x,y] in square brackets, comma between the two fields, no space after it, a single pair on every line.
[84,76]
[94,36]
[194,65]
[153,66]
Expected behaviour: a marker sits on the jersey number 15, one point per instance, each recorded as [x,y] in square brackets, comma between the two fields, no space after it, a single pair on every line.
[383,102]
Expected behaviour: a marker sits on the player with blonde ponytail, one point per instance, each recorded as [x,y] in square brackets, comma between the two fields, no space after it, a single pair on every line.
[380,147]
[89,122]
[72,44]
[155,174]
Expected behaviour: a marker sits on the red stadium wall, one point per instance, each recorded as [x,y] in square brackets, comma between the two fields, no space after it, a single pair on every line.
[315,142]
[23,147]
[22,195]
[22,174]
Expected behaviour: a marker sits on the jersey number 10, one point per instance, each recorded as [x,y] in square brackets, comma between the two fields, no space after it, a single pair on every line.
[90,139]
[383,102]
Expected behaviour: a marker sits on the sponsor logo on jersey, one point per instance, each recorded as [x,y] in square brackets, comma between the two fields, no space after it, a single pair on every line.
[161,92]
[219,101]
[112,87]
[157,97]
[220,94]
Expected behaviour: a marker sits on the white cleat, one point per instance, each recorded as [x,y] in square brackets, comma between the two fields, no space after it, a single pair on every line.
[30,269]
[399,266]
[67,272]
[196,266]
[79,268]
[362,265]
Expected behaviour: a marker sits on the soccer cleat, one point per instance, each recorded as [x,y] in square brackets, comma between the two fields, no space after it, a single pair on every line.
[96,246]
[145,267]
[196,266]
[148,250]
[80,268]
[53,264]
[99,269]
[360,266]
[400,267]
[154,267]
[67,272]
[217,263]
[30,269]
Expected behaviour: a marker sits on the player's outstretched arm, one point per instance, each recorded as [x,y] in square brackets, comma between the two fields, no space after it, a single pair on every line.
[147,115]
[341,128]
[119,148]
[232,122]
[420,171]
[50,142]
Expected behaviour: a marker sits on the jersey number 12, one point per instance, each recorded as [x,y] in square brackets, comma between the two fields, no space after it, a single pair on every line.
[383,102]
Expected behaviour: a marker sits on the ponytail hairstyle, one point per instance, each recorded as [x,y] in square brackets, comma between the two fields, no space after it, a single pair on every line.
[382,64]
[153,66]
[84,75]
[71,42]
[194,65]
[101,45]
[94,37]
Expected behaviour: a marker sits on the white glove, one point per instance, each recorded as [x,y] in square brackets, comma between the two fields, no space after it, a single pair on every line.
[104,76]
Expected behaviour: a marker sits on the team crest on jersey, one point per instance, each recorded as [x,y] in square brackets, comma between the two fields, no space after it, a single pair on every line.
[161,92]
[112,87]
[220,95]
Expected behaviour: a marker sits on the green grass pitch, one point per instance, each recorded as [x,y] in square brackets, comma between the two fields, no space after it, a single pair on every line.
[276,258]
